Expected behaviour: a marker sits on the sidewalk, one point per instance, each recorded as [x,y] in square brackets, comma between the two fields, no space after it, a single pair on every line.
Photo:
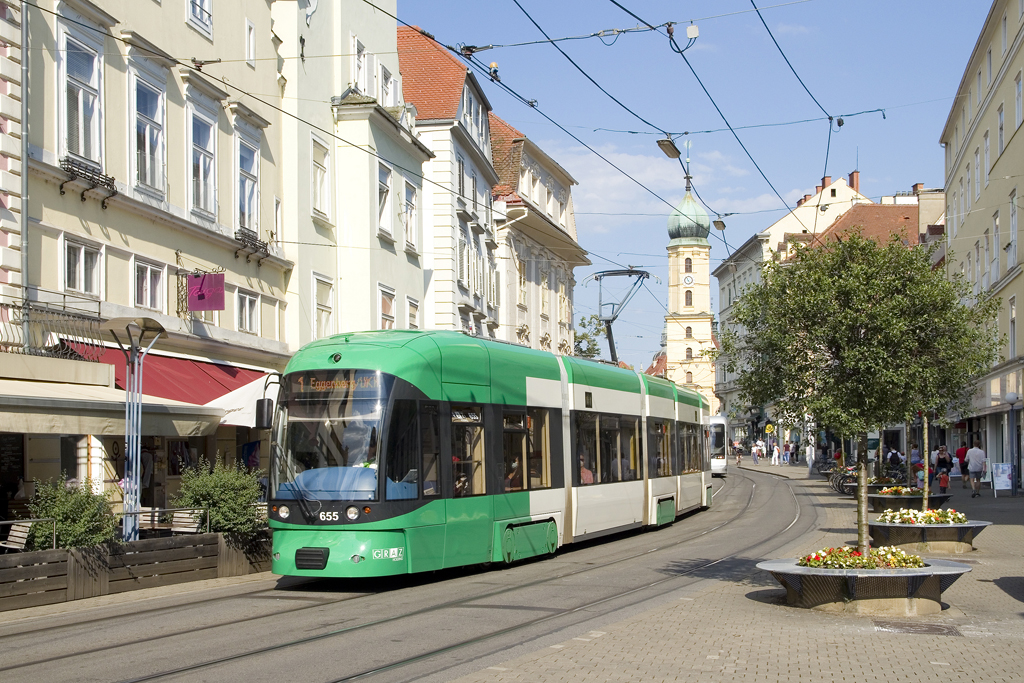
[739,628]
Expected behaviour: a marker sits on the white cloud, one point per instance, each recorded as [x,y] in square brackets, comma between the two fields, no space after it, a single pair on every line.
[791,29]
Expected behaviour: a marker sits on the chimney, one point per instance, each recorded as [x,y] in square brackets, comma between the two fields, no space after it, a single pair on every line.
[807,196]
[826,181]
[799,202]
[855,180]
[817,189]
[917,188]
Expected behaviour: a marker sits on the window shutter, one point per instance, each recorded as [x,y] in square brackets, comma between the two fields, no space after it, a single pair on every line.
[497,288]
[462,258]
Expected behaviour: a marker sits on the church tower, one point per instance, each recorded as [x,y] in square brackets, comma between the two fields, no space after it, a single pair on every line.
[688,325]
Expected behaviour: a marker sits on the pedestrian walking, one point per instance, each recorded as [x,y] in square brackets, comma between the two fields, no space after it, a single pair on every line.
[775,453]
[977,463]
[785,454]
[943,481]
[961,456]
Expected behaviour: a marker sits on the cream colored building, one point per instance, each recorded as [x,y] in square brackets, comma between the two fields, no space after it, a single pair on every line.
[689,324]
[143,167]
[983,171]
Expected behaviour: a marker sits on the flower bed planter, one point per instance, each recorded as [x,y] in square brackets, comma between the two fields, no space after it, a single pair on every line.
[920,538]
[889,592]
[880,503]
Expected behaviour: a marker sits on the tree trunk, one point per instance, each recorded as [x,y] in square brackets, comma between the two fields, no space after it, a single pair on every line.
[906,461]
[926,457]
[863,544]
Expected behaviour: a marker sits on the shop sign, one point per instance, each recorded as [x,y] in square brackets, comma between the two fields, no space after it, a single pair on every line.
[206,292]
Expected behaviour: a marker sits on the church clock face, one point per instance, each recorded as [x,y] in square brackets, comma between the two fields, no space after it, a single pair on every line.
[688,280]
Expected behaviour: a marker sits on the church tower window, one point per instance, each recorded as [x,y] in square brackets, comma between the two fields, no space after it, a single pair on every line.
[688,265]
[689,298]
[689,353]
[689,378]
[689,333]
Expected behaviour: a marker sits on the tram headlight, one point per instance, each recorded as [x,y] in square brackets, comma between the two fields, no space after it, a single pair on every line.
[352,512]
[283,512]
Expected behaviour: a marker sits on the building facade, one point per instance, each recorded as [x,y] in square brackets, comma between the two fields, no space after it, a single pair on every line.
[535,228]
[984,162]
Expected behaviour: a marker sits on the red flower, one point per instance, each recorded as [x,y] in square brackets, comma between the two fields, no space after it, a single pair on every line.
[856,553]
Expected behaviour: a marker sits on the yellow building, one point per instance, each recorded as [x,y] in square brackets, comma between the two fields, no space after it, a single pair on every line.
[983,180]
[688,325]
[148,162]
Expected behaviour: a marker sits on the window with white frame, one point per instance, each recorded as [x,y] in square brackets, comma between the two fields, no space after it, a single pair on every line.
[410,217]
[1018,116]
[523,283]
[248,312]
[149,280]
[496,287]
[250,43]
[1012,337]
[979,90]
[999,116]
[414,313]
[988,163]
[204,176]
[1011,251]
[324,293]
[321,187]
[994,264]
[476,206]
[563,303]
[977,173]
[278,220]
[82,69]
[387,307]
[970,105]
[544,294]
[988,67]
[1003,33]
[478,260]
[81,268]
[200,15]
[384,198]
[460,170]
[248,185]
[385,87]
[149,135]
[960,206]
[463,247]
[967,194]
[359,65]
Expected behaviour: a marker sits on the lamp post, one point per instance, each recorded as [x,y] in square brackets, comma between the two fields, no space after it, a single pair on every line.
[132,331]
[1012,399]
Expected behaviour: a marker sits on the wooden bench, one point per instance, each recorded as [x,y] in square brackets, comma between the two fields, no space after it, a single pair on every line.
[18,537]
[187,521]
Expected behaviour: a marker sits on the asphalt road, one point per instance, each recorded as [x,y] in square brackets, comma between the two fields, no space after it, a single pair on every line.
[432,628]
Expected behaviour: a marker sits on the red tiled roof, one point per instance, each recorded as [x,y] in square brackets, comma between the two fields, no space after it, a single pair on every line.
[506,156]
[878,222]
[432,77]
[659,366]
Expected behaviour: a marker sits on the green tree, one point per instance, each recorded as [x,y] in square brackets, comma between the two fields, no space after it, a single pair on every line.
[84,518]
[860,335]
[229,493]
[589,333]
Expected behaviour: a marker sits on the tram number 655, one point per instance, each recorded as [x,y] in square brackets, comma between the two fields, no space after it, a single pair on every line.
[329,516]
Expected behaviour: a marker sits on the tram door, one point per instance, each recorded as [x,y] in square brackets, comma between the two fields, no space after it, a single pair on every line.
[470,528]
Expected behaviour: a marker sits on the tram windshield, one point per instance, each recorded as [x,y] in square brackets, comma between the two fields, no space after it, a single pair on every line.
[327,433]
[717,440]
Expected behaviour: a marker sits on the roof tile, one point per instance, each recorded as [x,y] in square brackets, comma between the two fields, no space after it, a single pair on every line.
[432,77]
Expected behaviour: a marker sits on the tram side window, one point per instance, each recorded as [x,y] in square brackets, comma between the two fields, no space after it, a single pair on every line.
[468,451]
[659,448]
[682,452]
[586,448]
[609,466]
[629,450]
[514,450]
[539,463]
[697,446]
[402,481]
[430,445]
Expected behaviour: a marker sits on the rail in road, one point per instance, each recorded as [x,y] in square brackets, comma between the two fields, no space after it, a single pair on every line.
[439,625]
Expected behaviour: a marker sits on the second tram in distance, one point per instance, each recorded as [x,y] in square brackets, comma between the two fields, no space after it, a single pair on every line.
[406,451]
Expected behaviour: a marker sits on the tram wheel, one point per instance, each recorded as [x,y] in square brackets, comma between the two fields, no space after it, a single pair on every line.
[508,545]
[552,538]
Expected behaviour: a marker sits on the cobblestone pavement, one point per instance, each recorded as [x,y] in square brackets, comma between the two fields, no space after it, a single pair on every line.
[738,628]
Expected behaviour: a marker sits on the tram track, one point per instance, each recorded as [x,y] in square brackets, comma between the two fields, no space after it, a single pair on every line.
[373,623]
[482,638]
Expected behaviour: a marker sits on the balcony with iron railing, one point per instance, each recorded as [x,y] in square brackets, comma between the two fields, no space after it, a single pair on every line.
[64,326]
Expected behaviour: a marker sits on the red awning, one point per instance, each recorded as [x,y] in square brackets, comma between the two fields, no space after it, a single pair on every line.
[181,379]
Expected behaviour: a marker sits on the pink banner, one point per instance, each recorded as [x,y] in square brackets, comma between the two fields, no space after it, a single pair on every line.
[206,292]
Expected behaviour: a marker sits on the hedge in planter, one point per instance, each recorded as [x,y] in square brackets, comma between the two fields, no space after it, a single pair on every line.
[230,495]
[84,518]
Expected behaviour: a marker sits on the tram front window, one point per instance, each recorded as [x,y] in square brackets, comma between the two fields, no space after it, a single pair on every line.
[327,434]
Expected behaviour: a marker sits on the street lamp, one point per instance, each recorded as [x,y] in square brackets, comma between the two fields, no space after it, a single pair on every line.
[1012,399]
[668,146]
[130,332]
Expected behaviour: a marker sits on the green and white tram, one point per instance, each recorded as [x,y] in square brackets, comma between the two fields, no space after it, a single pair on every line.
[408,451]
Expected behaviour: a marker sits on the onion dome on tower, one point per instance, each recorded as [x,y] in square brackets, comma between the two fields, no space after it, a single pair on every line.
[688,221]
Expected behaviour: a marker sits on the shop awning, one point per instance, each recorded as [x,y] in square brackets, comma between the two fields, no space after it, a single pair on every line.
[56,408]
[183,379]
[239,406]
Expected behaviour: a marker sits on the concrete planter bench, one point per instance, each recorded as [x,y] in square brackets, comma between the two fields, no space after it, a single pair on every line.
[880,503]
[923,538]
[882,592]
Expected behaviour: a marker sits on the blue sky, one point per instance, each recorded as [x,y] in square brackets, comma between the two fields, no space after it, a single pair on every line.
[904,56]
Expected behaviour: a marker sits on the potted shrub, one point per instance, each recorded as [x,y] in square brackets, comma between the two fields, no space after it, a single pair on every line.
[926,530]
